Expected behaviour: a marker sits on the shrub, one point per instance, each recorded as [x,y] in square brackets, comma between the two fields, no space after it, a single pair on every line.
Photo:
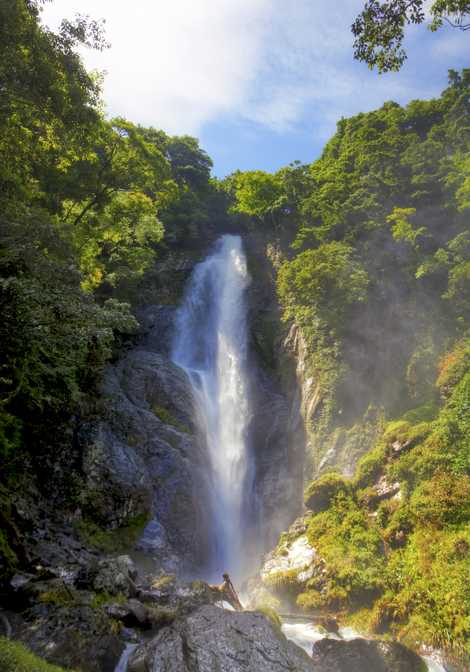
[282,581]
[442,500]
[429,579]
[320,493]
[352,549]
[453,366]
[370,467]
[311,599]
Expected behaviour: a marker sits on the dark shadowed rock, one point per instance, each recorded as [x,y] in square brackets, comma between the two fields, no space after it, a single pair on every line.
[329,623]
[75,636]
[213,639]
[115,575]
[142,457]
[362,655]
[133,614]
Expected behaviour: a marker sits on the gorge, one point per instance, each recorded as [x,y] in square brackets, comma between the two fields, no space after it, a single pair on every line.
[266,374]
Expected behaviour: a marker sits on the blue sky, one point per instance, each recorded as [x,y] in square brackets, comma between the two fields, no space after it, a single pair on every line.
[261,83]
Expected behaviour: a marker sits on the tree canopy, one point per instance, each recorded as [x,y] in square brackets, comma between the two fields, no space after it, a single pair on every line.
[379,30]
[84,203]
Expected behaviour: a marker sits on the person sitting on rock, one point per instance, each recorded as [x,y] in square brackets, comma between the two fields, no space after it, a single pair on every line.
[226,592]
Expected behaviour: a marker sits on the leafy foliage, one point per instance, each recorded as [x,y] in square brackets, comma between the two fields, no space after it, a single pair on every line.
[84,204]
[322,283]
[320,493]
[405,561]
[379,29]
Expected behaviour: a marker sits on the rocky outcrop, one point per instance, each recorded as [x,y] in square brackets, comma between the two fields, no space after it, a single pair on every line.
[285,570]
[142,455]
[215,639]
[358,655]
[342,446]
[296,347]
[276,432]
[277,444]
[68,630]
[115,576]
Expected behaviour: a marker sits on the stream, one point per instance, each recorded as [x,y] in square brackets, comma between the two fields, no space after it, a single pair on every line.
[306,634]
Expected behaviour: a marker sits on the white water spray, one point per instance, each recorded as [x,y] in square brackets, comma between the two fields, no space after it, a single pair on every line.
[211,345]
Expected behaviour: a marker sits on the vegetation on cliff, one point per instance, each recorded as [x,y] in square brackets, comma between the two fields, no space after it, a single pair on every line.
[395,540]
[373,251]
[375,272]
[84,206]
[375,242]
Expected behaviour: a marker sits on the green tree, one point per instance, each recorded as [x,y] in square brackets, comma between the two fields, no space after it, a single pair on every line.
[258,194]
[322,283]
[379,29]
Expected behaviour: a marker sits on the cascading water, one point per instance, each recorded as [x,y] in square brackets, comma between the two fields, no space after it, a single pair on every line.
[211,346]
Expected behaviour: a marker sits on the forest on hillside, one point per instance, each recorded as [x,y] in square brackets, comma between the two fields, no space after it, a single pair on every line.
[370,251]
[377,274]
[87,204]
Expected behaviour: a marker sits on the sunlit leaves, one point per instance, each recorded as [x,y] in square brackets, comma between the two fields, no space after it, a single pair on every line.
[257,193]
[402,226]
[323,281]
[379,30]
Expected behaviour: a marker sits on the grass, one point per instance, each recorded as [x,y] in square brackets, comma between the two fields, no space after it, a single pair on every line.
[16,657]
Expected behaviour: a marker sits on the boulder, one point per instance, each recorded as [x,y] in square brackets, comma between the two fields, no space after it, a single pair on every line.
[328,623]
[386,490]
[115,576]
[178,595]
[359,655]
[287,569]
[133,614]
[215,639]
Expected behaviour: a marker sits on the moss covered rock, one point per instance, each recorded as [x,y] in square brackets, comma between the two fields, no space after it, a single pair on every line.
[320,493]
[16,657]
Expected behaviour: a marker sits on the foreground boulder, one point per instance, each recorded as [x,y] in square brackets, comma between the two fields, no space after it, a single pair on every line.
[215,639]
[359,655]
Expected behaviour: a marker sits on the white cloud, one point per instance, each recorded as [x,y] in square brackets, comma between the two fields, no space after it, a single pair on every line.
[181,64]
[174,64]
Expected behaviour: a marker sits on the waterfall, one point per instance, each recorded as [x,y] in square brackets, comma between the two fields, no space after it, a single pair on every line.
[211,346]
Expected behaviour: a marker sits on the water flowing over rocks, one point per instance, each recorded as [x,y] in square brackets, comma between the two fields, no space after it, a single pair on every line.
[145,453]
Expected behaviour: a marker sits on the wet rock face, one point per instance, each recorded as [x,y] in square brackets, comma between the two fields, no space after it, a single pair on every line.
[276,432]
[276,438]
[142,455]
[297,556]
[287,569]
[359,655]
[214,639]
